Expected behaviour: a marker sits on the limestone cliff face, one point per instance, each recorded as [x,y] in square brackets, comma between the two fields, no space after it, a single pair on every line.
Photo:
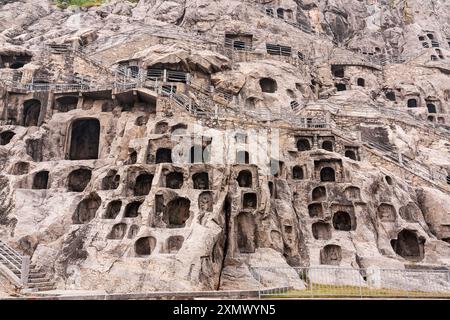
[179,145]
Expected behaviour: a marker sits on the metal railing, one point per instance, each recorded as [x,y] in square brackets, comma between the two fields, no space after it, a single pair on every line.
[414,166]
[237,45]
[18,265]
[64,87]
[390,151]
[340,282]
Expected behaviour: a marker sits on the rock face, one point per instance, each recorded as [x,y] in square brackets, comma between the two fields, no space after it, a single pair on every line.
[187,145]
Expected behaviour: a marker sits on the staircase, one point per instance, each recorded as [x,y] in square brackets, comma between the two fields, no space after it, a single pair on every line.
[401,160]
[17,269]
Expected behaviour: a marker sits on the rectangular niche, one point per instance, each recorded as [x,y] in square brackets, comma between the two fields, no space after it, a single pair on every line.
[343,217]
[249,201]
[304,143]
[352,153]
[328,170]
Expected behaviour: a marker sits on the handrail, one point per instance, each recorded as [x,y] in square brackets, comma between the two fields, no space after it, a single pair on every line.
[6,247]
[13,265]
[414,166]
[14,262]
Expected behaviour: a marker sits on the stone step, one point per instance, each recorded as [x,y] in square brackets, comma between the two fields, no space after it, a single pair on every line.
[10,264]
[41,284]
[37,275]
[37,289]
[38,281]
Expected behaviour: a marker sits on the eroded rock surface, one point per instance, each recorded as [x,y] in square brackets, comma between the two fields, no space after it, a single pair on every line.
[186,145]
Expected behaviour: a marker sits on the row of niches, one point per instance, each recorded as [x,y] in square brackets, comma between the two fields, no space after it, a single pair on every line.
[84,144]
[433,106]
[429,39]
[183,81]
[145,246]
[173,177]
[14,60]
[386,212]
[348,193]
[407,245]
[136,181]
[121,102]
[324,170]
[342,216]
[31,112]
[347,77]
[328,143]
[163,210]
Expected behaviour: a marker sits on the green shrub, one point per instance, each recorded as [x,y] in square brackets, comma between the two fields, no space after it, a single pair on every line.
[63,4]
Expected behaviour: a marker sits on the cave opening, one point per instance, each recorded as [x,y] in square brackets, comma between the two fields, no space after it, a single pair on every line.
[327,174]
[331,255]
[31,112]
[327,145]
[244,179]
[85,136]
[409,246]
[177,212]
[342,221]
[117,232]
[113,209]
[250,201]
[174,180]
[319,194]
[268,85]
[174,243]
[66,103]
[40,180]
[303,145]
[87,209]
[297,173]
[143,184]
[163,155]
[246,233]
[321,230]
[6,137]
[132,209]
[144,246]
[111,180]
[350,154]
[315,210]
[79,179]
[201,180]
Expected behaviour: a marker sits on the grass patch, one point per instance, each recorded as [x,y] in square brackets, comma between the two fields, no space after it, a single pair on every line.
[320,290]
[63,4]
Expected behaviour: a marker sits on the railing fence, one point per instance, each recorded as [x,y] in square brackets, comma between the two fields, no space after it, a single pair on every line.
[330,281]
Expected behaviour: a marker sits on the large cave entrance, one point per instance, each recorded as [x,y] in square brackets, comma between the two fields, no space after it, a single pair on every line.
[31,112]
[246,232]
[409,246]
[84,142]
